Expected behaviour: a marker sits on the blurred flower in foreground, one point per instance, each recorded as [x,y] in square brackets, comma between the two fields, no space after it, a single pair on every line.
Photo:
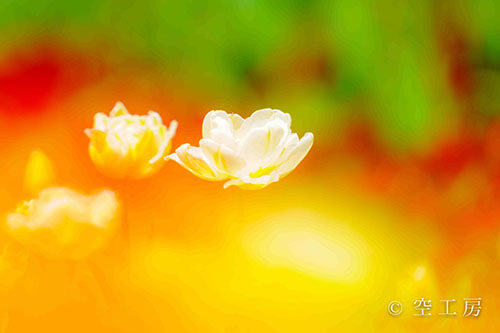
[62,223]
[129,146]
[39,172]
[252,153]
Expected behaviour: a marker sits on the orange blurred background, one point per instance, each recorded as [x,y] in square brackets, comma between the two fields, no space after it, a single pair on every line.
[398,199]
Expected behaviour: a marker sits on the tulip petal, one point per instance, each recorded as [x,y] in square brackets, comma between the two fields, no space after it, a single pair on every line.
[263,146]
[144,148]
[216,119]
[97,139]
[118,110]
[220,127]
[296,154]
[254,146]
[223,137]
[249,183]
[207,122]
[222,157]
[100,121]
[260,118]
[103,208]
[291,142]
[193,160]
[277,137]
[237,120]
[154,119]
[165,146]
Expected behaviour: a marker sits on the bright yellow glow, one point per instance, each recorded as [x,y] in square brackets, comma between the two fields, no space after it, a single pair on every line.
[310,244]
[39,172]
[419,273]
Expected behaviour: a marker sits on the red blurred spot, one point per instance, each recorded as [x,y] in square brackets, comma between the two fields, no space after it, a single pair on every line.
[456,48]
[27,84]
[30,80]
[361,140]
[449,158]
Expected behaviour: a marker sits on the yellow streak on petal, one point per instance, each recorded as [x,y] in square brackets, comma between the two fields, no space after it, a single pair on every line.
[263,171]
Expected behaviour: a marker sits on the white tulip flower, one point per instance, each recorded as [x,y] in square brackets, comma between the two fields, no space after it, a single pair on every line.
[64,224]
[129,146]
[250,153]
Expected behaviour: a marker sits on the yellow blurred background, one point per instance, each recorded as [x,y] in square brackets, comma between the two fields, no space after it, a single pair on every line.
[398,199]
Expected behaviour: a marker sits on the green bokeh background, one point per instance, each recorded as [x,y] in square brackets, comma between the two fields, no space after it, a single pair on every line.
[391,64]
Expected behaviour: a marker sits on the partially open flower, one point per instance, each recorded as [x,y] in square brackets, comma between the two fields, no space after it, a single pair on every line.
[62,223]
[129,146]
[252,153]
